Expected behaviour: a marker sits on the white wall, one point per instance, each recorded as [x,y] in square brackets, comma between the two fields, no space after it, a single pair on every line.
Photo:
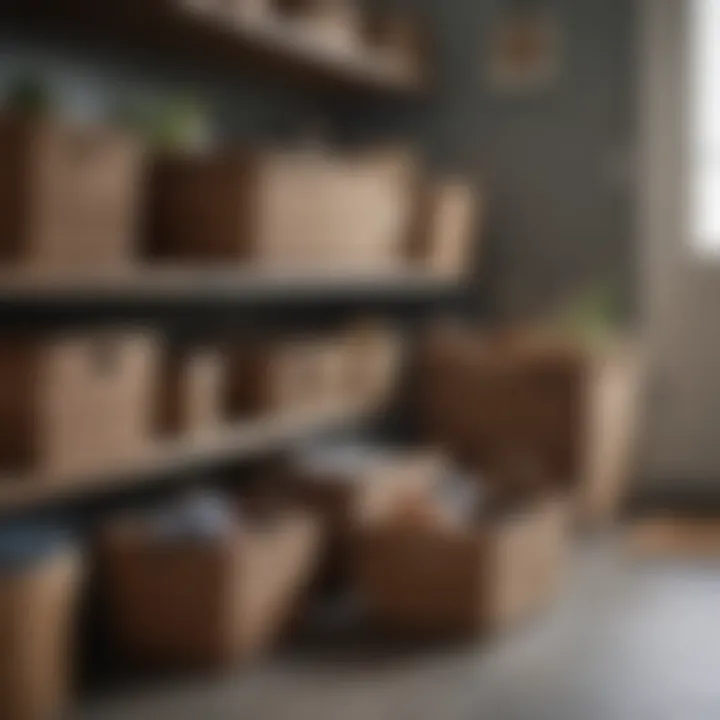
[680,289]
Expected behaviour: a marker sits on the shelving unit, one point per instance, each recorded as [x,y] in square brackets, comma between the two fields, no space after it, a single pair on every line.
[157,462]
[242,298]
[270,45]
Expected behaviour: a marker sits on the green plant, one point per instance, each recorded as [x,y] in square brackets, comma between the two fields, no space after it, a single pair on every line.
[593,313]
[170,125]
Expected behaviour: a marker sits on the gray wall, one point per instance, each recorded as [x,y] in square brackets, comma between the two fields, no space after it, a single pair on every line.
[557,165]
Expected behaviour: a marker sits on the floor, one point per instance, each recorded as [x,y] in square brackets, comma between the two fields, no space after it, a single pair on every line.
[630,639]
[678,537]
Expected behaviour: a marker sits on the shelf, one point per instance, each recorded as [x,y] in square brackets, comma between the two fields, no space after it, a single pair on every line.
[270,45]
[252,286]
[159,462]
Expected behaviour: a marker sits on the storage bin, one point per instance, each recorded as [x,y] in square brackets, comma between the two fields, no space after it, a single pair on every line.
[371,201]
[375,357]
[447,579]
[444,375]
[289,211]
[350,486]
[237,206]
[209,603]
[69,196]
[614,394]
[241,12]
[334,25]
[249,11]
[193,391]
[332,391]
[289,376]
[39,590]
[76,403]
[488,398]
[443,240]
[570,409]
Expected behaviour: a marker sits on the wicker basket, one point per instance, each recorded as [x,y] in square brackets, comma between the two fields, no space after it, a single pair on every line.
[348,494]
[445,579]
[572,411]
[375,357]
[285,212]
[443,239]
[37,632]
[208,603]
[69,196]
[192,391]
[75,404]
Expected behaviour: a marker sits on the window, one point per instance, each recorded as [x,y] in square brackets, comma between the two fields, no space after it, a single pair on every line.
[704,146]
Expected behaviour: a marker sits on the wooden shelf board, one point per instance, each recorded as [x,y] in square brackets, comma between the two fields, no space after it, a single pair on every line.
[168,284]
[269,44]
[158,461]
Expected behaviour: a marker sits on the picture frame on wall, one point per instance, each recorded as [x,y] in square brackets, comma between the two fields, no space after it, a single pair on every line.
[524,48]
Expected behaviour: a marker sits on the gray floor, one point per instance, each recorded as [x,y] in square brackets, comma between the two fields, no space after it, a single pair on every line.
[627,641]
